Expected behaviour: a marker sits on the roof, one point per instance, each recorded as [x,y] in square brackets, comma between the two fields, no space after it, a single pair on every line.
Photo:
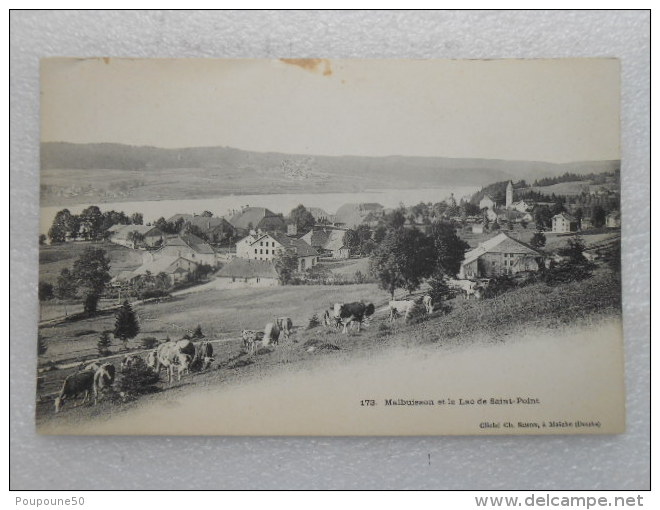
[566,216]
[353,213]
[206,223]
[123,230]
[160,265]
[253,216]
[191,241]
[487,196]
[319,213]
[316,238]
[178,216]
[301,247]
[246,268]
[335,240]
[501,243]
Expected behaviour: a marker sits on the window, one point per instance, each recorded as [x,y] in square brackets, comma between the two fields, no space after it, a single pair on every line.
[255,251]
[261,252]
[261,243]
[266,250]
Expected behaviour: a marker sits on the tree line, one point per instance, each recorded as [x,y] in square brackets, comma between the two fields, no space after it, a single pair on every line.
[90,224]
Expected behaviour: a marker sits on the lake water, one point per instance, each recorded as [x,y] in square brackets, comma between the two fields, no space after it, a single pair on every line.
[279,203]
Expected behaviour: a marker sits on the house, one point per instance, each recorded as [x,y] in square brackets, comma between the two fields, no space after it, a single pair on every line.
[257,218]
[188,246]
[180,216]
[352,215]
[486,202]
[328,242]
[564,222]
[241,272]
[500,255]
[121,234]
[267,246]
[217,230]
[613,220]
[320,215]
[178,269]
[522,206]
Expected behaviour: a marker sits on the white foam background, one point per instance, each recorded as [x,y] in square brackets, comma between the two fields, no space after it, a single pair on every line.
[568,462]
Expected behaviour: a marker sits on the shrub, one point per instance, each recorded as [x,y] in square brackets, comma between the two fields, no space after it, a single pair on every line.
[198,332]
[149,342]
[359,277]
[499,285]
[384,329]
[417,313]
[137,379]
[313,322]
[153,293]
[567,272]
[104,343]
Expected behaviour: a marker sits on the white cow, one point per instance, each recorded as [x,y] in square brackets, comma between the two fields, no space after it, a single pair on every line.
[400,308]
[427,301]
[172,356]
[104,377]
[469,287]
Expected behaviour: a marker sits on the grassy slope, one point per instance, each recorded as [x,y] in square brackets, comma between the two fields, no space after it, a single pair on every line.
[221,313]
[52,259]
[536,307]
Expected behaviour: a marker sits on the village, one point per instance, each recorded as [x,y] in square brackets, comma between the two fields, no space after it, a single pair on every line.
[205,277]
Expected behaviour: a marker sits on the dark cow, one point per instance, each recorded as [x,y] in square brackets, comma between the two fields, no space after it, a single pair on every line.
[271,334]
[74,385]
[203,356]
[353,312]
[286,326]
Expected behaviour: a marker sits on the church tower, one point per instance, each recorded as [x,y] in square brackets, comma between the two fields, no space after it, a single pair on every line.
[509,195]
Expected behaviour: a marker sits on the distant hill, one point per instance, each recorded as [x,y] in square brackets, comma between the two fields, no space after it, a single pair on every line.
[454,170]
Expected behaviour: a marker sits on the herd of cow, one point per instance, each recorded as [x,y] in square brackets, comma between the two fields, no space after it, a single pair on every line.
[94,379]
[179,357]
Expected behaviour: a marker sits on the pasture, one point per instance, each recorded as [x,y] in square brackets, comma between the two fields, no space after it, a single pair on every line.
[525,311]
[54,258]
[221,313]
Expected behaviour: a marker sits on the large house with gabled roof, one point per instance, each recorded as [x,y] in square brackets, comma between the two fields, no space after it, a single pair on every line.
[267,246]
[188,246]
[498,256]
[257,218]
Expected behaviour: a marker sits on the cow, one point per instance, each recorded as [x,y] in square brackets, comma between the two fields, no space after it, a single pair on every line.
[93,366]
[398,308]
[172,356]
[271,334]
[469,287]
[356,312]
[286,325]
[250,340]
[203,356]
[427,301]
[132,360]
[104,378]
[74,385]
[152,359]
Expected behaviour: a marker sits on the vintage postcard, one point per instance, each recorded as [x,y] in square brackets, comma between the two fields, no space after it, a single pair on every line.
[330,247]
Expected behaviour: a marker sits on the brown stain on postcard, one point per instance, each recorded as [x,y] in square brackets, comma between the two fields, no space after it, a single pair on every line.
[314,65]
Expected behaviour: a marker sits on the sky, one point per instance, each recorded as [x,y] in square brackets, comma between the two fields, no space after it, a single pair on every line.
[559,110]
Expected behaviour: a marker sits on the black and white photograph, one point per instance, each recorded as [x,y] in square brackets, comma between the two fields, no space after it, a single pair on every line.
[330,247]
